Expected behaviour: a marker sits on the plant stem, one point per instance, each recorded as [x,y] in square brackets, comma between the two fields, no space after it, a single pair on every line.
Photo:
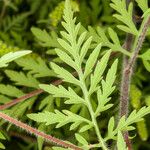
[89,105]
[29,95]
[20,99]
[139,42]
[38,133]
[127,75]
[124,94]
[125,83]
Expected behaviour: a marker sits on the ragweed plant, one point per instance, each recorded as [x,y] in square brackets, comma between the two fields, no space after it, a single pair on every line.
[88,81]
[75,46]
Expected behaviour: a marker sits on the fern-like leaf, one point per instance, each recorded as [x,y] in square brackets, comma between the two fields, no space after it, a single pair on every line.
[37,66]
[21,79]
[57,117]
[125,16]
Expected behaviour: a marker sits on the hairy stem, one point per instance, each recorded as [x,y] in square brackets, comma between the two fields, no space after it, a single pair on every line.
[139,42]
[125,83]
[127,75]
[20,99]
[38,133]
[29,95]
[124,94]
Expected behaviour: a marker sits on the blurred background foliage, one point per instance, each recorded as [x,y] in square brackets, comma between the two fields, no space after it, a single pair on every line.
[35,25]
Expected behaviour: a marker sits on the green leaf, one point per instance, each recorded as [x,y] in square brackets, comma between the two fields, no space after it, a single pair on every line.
[65,45]
[21,79]
[74,125]
[57,117]
[80,139]
[67,59]
[45,39]
[137,116]
[99,69]
[107,89]
[142,130]
[146,55]
[60,91]
[2,136]
[125,124]
[10,90]
[125,16]
[121,145]
[81,39]
[124,28]
[91,61]
[143,4]
[2,146]
[85,48]
[47,117]
[146,13]
[147,65]
[113,35]
[113,44]
[85,128]
[36,66]
[64,74]
[111,126]
[4,60]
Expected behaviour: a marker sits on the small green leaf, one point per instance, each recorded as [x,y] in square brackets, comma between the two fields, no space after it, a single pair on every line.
[146,55]
[99,69]
[10,90]
[64,74]
[65,45]
[147,65]
[2,146]
[2,136]
[4,60]
[91,61]
[85,48]
[85,128]
[80,139]
[66,58]
[113,36]
[121,145]
[42,36]
[143,4]
[125,16]
[60,91]
[36,66]
[21,79]
[74,125]
[111,125]
[81,39]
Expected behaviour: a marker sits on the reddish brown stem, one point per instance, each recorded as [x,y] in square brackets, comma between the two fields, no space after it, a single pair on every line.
[127,75]
[20,99]
[29,95]
[124,95]
[38,133]
[24,97]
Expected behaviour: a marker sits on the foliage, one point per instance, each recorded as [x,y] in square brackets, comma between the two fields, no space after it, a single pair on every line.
[86,59]
[4,60]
